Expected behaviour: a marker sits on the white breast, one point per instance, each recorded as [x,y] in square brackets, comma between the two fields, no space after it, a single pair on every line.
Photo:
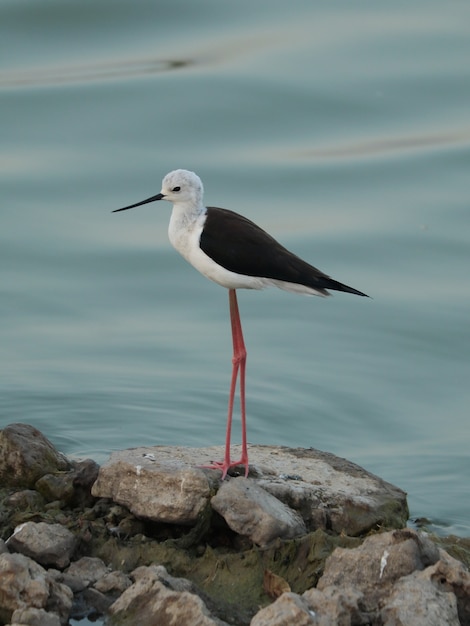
[184,233]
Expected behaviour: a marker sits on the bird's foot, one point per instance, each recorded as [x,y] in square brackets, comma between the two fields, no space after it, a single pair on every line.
[227,464]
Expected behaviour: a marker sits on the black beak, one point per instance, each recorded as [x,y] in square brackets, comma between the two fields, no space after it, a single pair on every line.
[159,196]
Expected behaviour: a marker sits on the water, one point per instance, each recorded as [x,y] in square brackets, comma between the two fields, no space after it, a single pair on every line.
[342,129]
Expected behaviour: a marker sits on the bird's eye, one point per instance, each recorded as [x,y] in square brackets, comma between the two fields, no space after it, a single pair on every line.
[176,189]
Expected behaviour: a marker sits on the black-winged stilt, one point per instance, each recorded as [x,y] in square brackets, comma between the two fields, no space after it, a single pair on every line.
[236,253]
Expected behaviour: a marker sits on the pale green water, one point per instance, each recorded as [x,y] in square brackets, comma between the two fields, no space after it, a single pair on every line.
[342,128]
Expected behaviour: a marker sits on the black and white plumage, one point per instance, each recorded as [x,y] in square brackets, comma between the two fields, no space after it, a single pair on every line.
[234,252]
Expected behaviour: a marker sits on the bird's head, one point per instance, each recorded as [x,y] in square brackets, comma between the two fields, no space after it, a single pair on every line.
[179,187]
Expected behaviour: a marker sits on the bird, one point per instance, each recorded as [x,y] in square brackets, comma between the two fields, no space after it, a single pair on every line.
[232,251]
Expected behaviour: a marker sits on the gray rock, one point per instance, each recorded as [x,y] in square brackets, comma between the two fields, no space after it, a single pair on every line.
[165,491]
[48,544]
[288,610]
[23,583]
[87,570]
[73,487]
[25,499]
[378,563]
[335,606]
[155,603]
[113,582]
[251,511]
[35,617]
[166,484]
[416,600]
[26,455]
[60,600]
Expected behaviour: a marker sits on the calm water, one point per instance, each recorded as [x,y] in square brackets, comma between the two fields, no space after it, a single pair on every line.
[343,129]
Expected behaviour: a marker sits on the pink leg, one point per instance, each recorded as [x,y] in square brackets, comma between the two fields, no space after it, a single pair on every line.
[239,363]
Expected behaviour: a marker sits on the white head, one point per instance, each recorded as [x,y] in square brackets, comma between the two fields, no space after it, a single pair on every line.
[180,187]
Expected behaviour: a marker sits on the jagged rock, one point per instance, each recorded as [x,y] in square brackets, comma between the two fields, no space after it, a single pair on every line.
[60,600]
[154,603]
[378,563]
[26,455]
[34,617]
[72,487]
[251,511]
[287,610]
[167,484]
[84,573]
[113,583]
[451,575]
[335,606]
[416,600]
[48,544]
[25,584]
[25,499]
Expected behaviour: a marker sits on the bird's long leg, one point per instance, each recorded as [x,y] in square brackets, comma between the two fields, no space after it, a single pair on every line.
[238,365]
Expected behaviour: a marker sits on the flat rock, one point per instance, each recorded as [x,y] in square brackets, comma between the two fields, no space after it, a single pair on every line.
[48,544]
[167,484]
[154,485]
[26,455]
[252,511]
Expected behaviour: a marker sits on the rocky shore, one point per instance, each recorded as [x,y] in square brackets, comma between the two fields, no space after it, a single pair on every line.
[152,538]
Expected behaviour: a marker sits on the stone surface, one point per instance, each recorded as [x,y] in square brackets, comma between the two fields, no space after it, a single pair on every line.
[48,544]
[113,583]
[84,573]
[335,606]
[416,600]
[378,563]
[72,487]
[23,583]
[287,610]
[166,484]
[35,617]
[26,585]
[149,601]
[26,455]
[251,511]
[162,491]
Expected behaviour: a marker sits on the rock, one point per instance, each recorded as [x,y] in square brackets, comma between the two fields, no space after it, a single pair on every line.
[35,617]
[378,563]
[60,600]
[451,575]
[164,491]
[25,499]
[84,573]
[26,585]
[154,603]
[416,600]
[113,583]
[26,455]
[48,544]
[72,487]
[96,600]
[326,491]
[23,583]
[251,511]
[287,610]
[334,606]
